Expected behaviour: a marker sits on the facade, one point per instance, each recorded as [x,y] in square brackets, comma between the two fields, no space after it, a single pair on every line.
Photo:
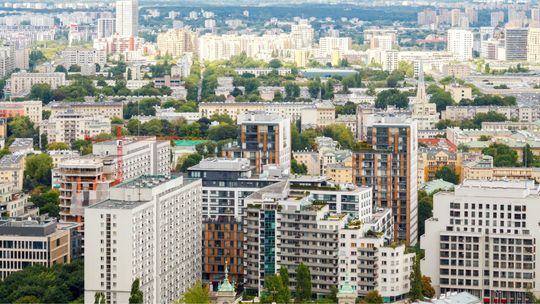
[12,170]
[127,18]
[150,228]
[177,42]
[319,115]
[264,139]
[106,27]
[521,114]
[484,170]
[388,163]
[33,109]
[459,92]
[83,182]
[82,57]
[7,60]
[515,43]
[69,126]
[460,44]
[32,241]
[141,156]
[482,239]
[21,82]
[14,203]
[533,42]
[109,109]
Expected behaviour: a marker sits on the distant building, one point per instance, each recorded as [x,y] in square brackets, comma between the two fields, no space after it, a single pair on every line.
[108,109]
[12,170]
[70,126]
[515,43]
[127,18]
[176,42]
[33,109]
[460,44]
[106,27]
[21,82]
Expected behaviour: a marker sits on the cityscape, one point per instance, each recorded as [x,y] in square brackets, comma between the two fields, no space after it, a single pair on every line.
[248,151]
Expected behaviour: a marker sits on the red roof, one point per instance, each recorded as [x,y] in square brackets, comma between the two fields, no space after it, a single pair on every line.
[438,143]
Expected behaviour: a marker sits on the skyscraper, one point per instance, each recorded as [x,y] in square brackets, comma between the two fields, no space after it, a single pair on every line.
[515,43]
[533,42]
[127,18]
[106,27]
[388,164]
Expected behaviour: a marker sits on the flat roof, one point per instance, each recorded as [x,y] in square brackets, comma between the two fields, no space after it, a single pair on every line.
[117,204]
[147,181]
[189,142]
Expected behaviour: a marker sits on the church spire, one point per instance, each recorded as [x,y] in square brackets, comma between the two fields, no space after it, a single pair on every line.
[226,285]
[421,95]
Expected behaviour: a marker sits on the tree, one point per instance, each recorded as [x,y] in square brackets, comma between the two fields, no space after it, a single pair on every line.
[274,64]
[47,202]
[61,69]
[222,132]
[57,146]
[196,294]
[303,283]
[391,97]
[136,295]
[74,68]
[222,118]
[41,91]
[373,297]
[447,174]
[427,290]
[503,155]
[187,161]
[416,281]
[440,98]
[284,275]
[83,146]
[99,298]
[298,168]
[37,171]
[275,290]
[425,210]
[21,127]
[292,90]
[340,133]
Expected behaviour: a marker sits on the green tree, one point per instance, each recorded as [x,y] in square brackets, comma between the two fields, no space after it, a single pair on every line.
[298,168]
[61,69]
[292,90]
[136,295]
[37,171]
[340,133]
[373,297]
[74,68]
[425,211]
[441,98]
[391,97]
[275,291]
[222,118]
[284,275]
[83,146]
[274,64]
[27,299]
[47,202]
[427,290]
[196,294]
[447,174]
[21,127]
[187,161]
[416,281]
[222,132]
[99,298]
[41,91]
[503,155]
[303,283]
[57,146]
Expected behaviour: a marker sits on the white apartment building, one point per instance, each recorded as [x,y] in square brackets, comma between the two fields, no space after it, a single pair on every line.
[106,109]
[483,239]
[127,18]
[82,57]
[328,44]
[318,115]
[21,83]
[33,109]
[70,126]
[141,155]
[460,44]
[149,229]
[533,43]
[7,60]
[176,42]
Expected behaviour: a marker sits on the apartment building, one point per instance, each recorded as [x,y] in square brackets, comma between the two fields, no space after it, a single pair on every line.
[33,109]
[106,27]
[22,146]
[264,139]
[318,115]
[32,241]
[460,44]
[12,170]
[70,126]
[20,83]
[15,203]
[150,228]
[82,57]
[127,18]
[484,170]
[83,182]
[176,42]
[522,114]
[284,227]
[482,239]
[141,155]
[459,92]
[515,43]
[388,163]
[108,109]
[7,60]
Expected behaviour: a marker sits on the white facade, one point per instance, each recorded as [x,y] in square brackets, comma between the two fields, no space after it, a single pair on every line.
[106,27]
[483,239]
[394,269]
[80,57]
[150,229]
[127,18]
[146,156]
[71,126]
[460,44]
[21,83]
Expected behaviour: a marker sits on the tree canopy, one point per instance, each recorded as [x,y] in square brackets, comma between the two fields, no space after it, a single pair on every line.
[503,155]
[392,97]
[37,171]
[196,294]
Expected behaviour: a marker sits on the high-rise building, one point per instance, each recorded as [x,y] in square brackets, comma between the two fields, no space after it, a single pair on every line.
[460,44]
[427,17]
[149,229]
[515,43]
[265,138]
[535,14]
[496,18]
[176,42]
[127,18]
[106,27]
[533,42]
[7,60]
[388,163]
[70,126]
[483,239]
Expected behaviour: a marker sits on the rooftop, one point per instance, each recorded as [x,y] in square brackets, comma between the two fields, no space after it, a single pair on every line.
[188,142]
[259,117]
[223,164]
[146,181]
[116,204]
[11,159]
[22,142]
